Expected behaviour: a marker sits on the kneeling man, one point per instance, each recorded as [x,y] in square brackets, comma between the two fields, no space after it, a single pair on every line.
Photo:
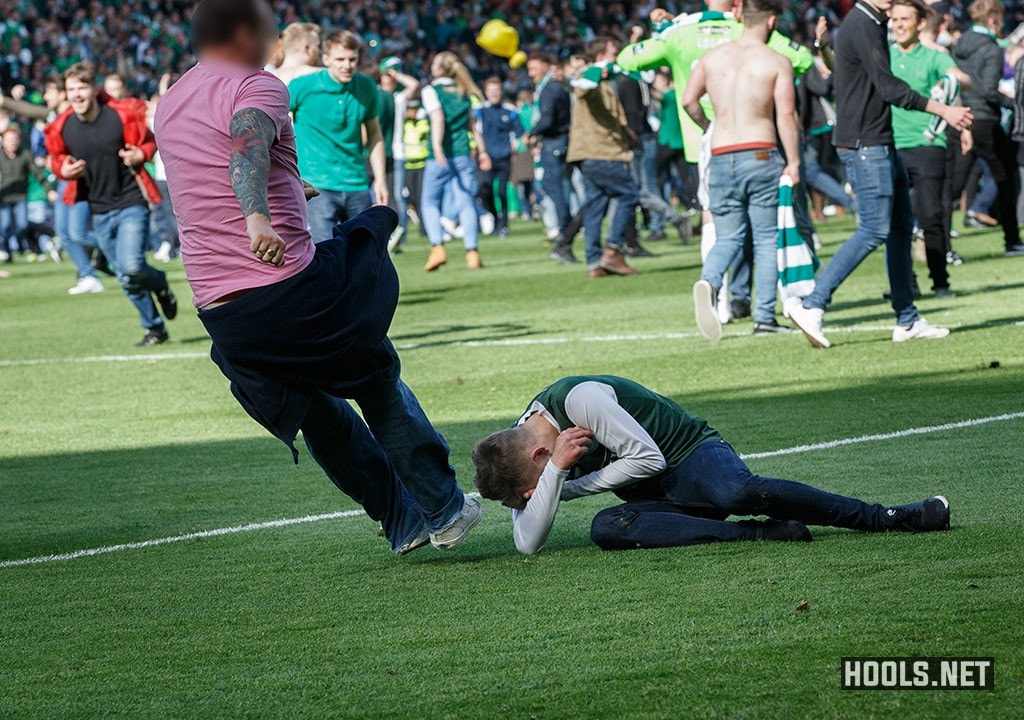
[680,480]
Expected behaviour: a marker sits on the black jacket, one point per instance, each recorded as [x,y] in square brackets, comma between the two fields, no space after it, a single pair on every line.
[980,56]
[555,112]
[864,84]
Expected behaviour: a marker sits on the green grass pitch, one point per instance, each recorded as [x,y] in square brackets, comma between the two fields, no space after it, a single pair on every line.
[320,620]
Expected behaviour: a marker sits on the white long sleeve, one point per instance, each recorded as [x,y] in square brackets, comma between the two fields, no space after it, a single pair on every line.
[595,407]
[532,525]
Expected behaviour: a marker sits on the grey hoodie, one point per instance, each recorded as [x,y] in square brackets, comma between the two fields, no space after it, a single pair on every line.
[978,55]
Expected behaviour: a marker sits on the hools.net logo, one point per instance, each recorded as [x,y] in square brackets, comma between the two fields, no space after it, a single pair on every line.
[917,673]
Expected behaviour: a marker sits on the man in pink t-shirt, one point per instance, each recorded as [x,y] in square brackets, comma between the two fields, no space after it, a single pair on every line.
[297,328]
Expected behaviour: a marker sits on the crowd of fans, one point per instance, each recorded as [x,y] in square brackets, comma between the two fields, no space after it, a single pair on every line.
[139,48]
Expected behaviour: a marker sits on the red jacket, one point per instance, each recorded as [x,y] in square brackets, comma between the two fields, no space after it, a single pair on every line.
[136,132]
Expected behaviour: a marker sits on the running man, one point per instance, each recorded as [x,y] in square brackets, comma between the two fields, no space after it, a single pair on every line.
[749,85]
[100,148]
[297,327]
[679,479]
[335,110]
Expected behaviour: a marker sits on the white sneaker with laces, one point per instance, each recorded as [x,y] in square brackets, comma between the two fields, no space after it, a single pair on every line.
[86,286]
[455,533]
[920,330]
[705,311]
[809,320]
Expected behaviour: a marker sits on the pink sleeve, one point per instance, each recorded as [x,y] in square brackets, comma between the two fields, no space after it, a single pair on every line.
[264,92]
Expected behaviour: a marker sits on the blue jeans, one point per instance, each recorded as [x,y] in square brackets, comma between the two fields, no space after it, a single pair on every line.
[14,225]
[555,182]
[604,181]
[331,208]
[395,464]
[398,193]
[886,216]
[457,176]
[122,236]
[645,174]
[988,193]
[688,505]
[817,179]
[163,224]
[744,188]
[71,223]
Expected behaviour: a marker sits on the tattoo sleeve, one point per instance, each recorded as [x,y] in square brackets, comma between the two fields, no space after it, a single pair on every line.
[252,134]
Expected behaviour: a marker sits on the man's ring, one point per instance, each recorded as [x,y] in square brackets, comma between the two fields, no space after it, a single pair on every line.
[260,251]
[271,253]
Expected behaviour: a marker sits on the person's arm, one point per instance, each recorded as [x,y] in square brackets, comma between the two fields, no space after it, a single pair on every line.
[432,106]
[378,159]
[25,109]
[647,55]
[409,84]
[252,134]
[483,158]
[37,171]
[695,90]
[532,525]
[786,120]
[594,406]
[591,77]
[963,78]
[821,43]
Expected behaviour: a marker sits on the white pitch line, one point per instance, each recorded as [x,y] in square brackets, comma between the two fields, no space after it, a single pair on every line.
[509,342]
[251,527]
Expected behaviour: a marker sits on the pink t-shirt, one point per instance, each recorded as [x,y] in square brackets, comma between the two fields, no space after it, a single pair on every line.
[193,134]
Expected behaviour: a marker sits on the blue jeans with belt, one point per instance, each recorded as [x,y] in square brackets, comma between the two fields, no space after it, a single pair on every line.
[886,216]
[744,189]
[689,504]
[122,236]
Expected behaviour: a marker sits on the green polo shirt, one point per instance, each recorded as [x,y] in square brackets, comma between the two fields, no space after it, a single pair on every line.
[329,119]
[920,68]
[670,132]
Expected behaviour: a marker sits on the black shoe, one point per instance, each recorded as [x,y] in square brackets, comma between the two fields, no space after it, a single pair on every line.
[153,337]
[944,294]
[780,530]
[927,516]
[563,254]
[502,232]
[740,309]
[1015,250]
[656,236]
[685,230]
[168,303]
[100,262]
[953,259]
[637,251]
[772,328]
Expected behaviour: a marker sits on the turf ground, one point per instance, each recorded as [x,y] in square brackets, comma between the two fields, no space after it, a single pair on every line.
[102,444]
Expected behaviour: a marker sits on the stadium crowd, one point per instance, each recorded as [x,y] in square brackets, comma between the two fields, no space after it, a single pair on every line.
[593,127]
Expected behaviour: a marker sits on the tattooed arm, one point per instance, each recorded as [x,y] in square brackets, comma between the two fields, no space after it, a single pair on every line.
[252,134]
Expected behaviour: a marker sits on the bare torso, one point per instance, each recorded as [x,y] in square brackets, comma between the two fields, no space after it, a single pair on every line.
[741,79]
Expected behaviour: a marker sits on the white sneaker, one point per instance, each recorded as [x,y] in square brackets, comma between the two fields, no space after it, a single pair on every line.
[724,306]
[86,285]
[396,238]
[920,330]
[4,256]
[455,533]
[451,227]
[705,311]
[163,253]
[487,223]
[808,320]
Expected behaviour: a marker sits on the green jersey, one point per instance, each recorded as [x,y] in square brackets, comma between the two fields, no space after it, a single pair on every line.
[684,42]
[329,118]
[457,107]
[921,69]
[670,131]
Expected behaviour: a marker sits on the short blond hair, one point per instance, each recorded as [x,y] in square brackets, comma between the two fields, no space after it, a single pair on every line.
[298,34]
[982,10]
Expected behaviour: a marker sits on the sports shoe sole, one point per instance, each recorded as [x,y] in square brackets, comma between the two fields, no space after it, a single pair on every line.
[473,516]
[704,311]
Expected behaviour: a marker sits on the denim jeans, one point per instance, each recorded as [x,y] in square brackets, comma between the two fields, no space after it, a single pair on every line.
[988,193]
[744,189]
[395,464]
[332,208]
[886,216]
[555,181]
[122,236]
[398,194]
[689,504]
[816,178]
[71,222]
[14,225]
[604,181]
[645,174]
[457,176]
[163,224]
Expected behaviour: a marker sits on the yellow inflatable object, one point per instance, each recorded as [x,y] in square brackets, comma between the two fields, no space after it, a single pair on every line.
[499,38]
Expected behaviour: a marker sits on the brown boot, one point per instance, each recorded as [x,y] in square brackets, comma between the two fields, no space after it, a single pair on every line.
[614,262]
[598,273]
[473,260]
[438,257]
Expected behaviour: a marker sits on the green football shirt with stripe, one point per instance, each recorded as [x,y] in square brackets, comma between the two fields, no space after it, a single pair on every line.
[328,118]
[921,69]
[683,42]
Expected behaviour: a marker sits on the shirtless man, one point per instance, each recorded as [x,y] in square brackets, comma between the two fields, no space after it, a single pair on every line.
[300,43]
[747,82]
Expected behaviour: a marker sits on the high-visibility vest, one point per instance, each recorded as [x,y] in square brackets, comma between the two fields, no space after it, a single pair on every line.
[416,136]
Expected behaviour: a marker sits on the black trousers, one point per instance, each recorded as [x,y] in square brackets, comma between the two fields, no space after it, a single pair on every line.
[501,170]
[993,145]
[926,167]
[414,186]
